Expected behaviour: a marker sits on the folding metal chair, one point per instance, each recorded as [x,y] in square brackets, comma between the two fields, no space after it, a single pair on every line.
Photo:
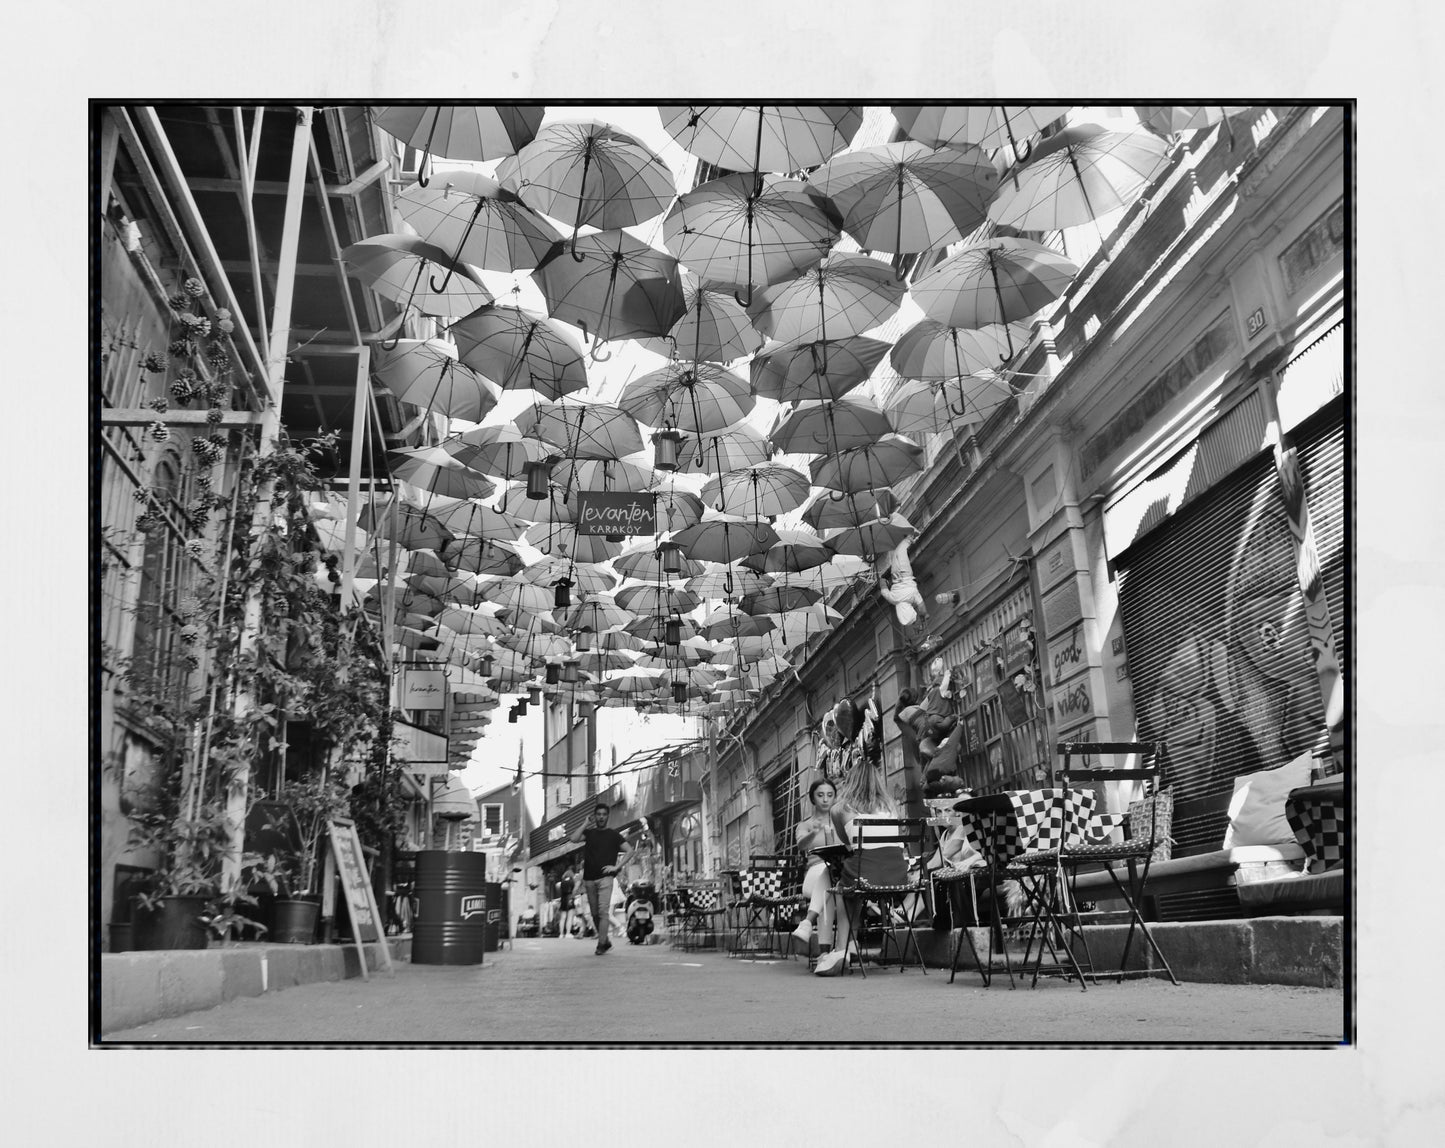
[1056,908]
[909,897]
[697,908]
[771,884]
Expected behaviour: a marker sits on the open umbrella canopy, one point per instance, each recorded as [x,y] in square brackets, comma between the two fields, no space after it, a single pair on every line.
[519,349]
[632,681]
[477,221]
[827,427]
[554,508]
[768,137]
[461,131]
[404,524]
[612,286]
[839,570]
[696,397]
[716,326]
[473,520]
[574,474]
[423,564]
[535,645]
[590,174]
[831,508]
[844,295]
[401,268]
[691,652]
[730,622]
[933,350]
[728,582]
[563,540]
[1170,120]
[725,540]
[499,449]
[601,661]
[516,596]
[762,490]
[776,599]
[426,373]
[432,469]
[907,197]
[877,536]
[481,556]
[986,126]
[948,406]
[1078,175]
[582,427]
[798,626]
[796,549]
[676,508]
[481,622]
[742,229]
[651,628]
[657,598]
[995,282]
[599,612]
[726,450]
[876,466]
[587,578]
[819,370]
[644,561]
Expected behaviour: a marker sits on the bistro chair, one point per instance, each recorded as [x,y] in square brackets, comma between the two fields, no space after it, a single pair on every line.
[1055,870]
[770,892]
[903,903]
[696,909]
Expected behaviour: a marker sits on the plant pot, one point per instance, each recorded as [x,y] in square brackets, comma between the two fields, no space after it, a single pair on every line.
[293,920]
[176,924]
[121,940]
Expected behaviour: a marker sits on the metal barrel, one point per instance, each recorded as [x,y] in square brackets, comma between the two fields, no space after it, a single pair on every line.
[451,921]
[496,915]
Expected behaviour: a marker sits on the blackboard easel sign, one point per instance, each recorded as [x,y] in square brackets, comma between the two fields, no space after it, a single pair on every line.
[360,899]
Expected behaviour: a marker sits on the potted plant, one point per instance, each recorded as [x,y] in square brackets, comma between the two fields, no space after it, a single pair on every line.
[308,805]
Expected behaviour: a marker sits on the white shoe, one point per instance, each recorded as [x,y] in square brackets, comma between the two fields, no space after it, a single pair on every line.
[831,964]
[804,931]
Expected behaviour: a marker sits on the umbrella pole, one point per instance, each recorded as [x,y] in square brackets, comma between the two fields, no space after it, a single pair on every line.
[581,192]
[1089,207]
[457,257]
[1002,318]
[423,171]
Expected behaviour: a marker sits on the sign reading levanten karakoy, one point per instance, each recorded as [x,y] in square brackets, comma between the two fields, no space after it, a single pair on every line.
[616,513]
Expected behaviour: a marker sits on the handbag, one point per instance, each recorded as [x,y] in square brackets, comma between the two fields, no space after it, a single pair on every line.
[1156,814]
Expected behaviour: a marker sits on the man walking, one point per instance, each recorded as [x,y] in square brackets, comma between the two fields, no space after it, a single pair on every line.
[602,860]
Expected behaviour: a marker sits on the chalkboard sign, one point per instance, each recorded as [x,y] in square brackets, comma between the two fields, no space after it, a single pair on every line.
[360,900]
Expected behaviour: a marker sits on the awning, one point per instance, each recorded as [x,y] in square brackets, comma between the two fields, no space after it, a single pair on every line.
[668,793]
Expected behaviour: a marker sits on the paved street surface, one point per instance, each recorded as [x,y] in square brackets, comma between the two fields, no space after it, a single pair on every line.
[550,990]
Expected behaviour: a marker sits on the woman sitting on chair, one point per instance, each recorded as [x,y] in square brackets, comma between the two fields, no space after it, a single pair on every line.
[828,826]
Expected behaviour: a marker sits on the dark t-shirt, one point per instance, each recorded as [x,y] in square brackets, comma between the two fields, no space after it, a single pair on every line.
[600,847]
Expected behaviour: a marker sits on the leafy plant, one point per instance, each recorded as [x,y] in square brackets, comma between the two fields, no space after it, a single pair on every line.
[313,801]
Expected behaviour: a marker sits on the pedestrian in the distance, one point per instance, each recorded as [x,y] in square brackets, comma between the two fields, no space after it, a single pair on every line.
[602,859]
[566,888]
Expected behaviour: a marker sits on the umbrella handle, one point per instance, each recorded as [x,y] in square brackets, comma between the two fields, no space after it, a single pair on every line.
[423,172]
[748,302]
[575,257]
[432,281]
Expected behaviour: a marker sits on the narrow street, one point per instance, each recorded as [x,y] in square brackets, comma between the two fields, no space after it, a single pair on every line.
[548,990]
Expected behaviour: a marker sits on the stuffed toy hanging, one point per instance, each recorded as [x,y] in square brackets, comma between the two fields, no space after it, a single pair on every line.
[903,595]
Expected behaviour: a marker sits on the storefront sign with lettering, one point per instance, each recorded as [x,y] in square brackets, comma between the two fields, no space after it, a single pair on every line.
[423,690]
[616,513]
[1073,700]
[1066,655]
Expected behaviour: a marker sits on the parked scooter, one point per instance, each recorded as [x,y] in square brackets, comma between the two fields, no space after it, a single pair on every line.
[639,910]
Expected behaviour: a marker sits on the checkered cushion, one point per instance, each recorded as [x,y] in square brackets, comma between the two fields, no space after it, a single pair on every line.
[699,900]
[1033,823]
[762,884]
[1319,827]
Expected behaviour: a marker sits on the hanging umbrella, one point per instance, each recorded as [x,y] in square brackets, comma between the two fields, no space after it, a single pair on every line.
[476,220]
[716,326]
[746,229]
[776,599]
[877,536]
[657,598]
[590,579]
[796,549]
[612,286]
[831,508]
[676,508]
[499,449]
[933,350]
[433,470]
[600,612]
[516,596]
[694,651]
[994,282]
[728,582]
[786,137]
[762,490]
[554,509]
[827,427]
[985,126]
[562,539]
[1078,175]
[461,131]
[407,525]
[839,570]
[906,197]
[426,374]
[797,626]
[423,563]
[535,645]
[727,450]
[725,540]
[601,661]
[602,474]
[620,641]
[632,681]
[844,295]
[818,370]
[472,520]
[645,561]
[481,556]
[877,466]
[471,623]
[951,406]
[590,174]
[581,427]
[399,268]
[727,622]
[697,397]
[517,348]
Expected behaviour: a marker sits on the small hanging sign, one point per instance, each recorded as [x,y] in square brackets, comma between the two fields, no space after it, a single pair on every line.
[616,513]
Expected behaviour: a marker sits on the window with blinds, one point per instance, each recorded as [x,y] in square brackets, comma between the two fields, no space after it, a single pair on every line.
[1218,654]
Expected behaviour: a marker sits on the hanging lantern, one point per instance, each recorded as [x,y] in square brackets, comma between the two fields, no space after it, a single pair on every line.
[679,692]
[534,695]
[569,671]
[665,446]
[521,707]
[512,716]
[672,632]
[539,477]
[583,641]
[484,665]
[671,555]
[585,709]
[562,594]
[552,674]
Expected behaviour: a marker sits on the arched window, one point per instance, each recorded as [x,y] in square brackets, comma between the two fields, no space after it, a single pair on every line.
[687,843]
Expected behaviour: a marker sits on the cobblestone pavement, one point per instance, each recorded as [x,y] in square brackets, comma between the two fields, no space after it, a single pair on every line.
[546,990]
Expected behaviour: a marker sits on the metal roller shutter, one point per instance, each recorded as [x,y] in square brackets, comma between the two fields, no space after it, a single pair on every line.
[1218,654]
[1321,445]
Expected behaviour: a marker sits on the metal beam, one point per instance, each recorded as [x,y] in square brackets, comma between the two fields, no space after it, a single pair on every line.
[278,187]
[144,416]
